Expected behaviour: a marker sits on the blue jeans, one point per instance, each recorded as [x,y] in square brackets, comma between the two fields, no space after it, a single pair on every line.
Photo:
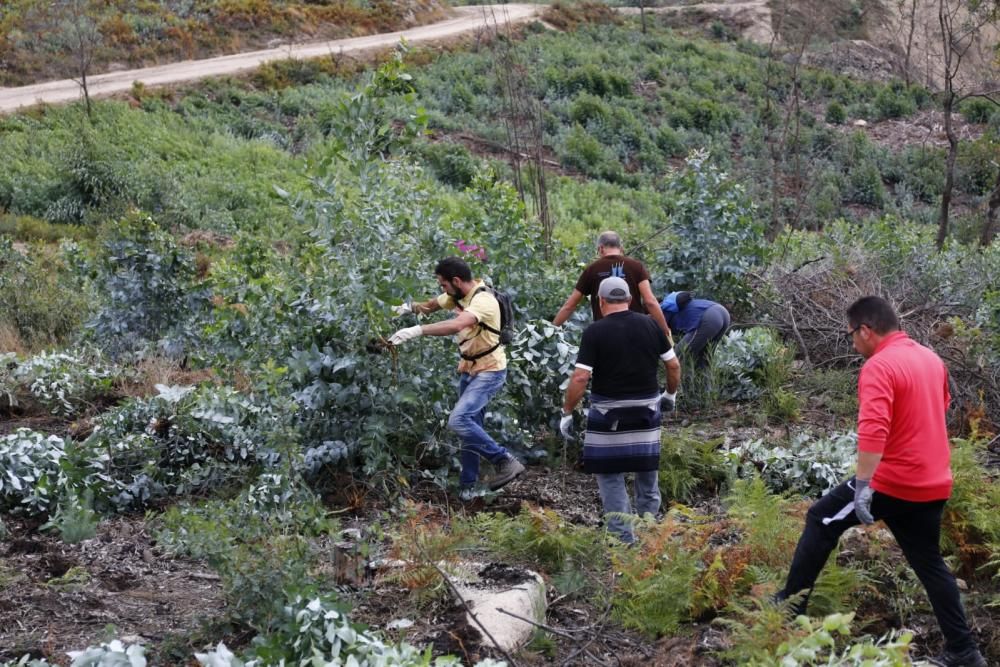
[466,420]
[614,498]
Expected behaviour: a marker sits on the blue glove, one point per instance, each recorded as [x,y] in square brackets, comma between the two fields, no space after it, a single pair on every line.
[863,500]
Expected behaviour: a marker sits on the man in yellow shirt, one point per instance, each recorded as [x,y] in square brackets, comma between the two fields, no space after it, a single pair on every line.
[482,367]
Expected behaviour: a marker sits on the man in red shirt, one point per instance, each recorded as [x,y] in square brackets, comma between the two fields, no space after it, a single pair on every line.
[903,472]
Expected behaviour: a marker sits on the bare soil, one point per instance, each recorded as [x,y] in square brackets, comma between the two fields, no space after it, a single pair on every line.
[58,597]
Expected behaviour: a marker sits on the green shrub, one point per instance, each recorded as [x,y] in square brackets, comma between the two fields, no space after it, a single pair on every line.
[923,174]
[892,103]
[147,290]
[976,165]
[835,113]
[977,110]
[763,638]
[806,464]
[865,186]
[587,108]
[750,364]
[670,141]
[66,383]
[540,538]
[688,465]
[596,81]
[262,555]
[656,586]
[96,183]
[719,239]
[451,163]
[33,474]
[40,300]
[582,151]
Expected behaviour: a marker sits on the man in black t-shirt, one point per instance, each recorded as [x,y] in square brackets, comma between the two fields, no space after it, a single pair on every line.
[619,355]
[612,262]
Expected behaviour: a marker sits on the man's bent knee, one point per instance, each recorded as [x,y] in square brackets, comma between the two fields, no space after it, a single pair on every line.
[461,422]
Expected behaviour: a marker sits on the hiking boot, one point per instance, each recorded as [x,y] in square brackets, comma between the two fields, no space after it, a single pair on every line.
[507,471]
[469,493]
[968,658]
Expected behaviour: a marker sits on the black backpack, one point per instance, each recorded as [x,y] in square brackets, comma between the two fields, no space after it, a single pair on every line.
[506,331]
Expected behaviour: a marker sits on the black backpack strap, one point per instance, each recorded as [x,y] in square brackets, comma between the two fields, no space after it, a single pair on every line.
[479,355]
[483,325]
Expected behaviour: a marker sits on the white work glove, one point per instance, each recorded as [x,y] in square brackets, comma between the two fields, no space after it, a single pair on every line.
[402,309]
[863,500]
[403,335]
[566,426]
[668,402]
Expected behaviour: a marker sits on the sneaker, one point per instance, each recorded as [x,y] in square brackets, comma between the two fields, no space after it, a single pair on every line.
[469,493]
[968,658]
[507,471]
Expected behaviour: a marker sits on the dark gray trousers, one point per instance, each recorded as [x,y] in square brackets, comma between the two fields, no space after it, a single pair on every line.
[713,326]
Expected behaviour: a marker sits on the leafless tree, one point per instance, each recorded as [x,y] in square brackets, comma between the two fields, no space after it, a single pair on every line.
[76,32]
[900,21]
[962,25]
[789,172]
[989,224]
[523,125]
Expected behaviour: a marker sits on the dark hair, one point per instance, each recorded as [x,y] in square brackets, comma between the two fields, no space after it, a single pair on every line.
[683,299]
[875,312]
[453,267]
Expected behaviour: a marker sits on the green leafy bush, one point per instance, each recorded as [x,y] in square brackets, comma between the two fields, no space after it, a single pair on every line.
[66,383]
[582,151]
[185,440]
[656,587]
[977,110]
[95,185]
[40,300]
[807,464]
[976,165]
[689,464]
[718,236]
[541,362]
[749,364]
[540,538]
[865,186]
[450,162]
[835,113]
[33,473]
[893,103]
[147,288]
[587,108]
[809,642]
[314,629]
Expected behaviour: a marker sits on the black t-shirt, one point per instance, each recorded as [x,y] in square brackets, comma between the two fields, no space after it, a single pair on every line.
[623,352]
[630,270]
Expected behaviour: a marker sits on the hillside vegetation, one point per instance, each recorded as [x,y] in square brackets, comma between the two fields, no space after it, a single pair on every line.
[195,294]
[35,37]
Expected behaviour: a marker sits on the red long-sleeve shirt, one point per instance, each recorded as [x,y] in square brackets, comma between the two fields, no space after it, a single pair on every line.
[902,398]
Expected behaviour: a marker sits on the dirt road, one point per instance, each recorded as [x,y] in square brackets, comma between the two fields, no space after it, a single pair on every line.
[465,20]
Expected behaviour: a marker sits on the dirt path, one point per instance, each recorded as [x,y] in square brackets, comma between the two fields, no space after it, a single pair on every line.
[752,19]
[465,20]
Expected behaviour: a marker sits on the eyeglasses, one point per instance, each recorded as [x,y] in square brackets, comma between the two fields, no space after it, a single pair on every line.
[850,334]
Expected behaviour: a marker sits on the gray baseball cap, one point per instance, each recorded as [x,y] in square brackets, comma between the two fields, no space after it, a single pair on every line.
[614,290]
